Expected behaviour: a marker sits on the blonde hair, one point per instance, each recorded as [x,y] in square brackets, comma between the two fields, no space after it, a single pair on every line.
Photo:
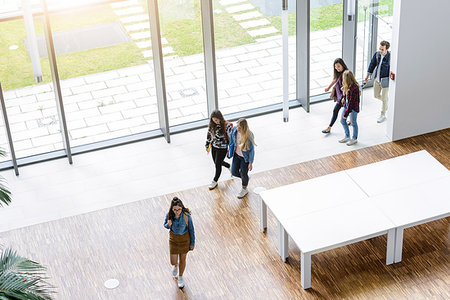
[246,135]
[348,79]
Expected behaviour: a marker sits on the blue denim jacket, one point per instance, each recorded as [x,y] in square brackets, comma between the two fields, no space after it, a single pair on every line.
[179,227]
[249,155]
[384,68]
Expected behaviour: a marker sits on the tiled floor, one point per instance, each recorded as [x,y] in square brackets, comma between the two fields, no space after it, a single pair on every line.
[96,180]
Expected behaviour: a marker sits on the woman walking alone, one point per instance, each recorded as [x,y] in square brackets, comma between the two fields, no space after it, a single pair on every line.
[181,237]
[352,95]
[242,149]
[217,139]
[339,67]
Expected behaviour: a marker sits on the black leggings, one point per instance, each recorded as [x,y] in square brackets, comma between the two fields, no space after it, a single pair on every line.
[336,110]
[218,156]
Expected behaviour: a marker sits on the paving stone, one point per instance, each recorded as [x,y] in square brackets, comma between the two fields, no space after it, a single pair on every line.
[167,50]
[252,55]
[109,92]
[230,2]
[129,11]
[135,112]
[91,103]
[147,127]
[254,23]
[135,70]
[262,31]
[144,44]
[78,98]
[103,119]
[239,8]
[125,124]
[242,65]
[88,131]
[244,81]
[142,85]
[85,113]
[116,107]
[124,3]
[45,96]
[137,26]
[34,89]
[226,61]
[18,127]
[75,124]
[46,140]
[144,102]
[99,77]
[130,96]
[262,46]
[247,16]
[248,89]
[140,35]
[147,53]
[136,18]
[30,133]
[123,81]
[264,69]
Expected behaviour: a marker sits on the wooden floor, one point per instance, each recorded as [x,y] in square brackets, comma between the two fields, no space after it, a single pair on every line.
[232,258]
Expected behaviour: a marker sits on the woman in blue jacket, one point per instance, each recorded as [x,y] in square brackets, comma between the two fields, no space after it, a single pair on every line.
[181,237]
[242,149]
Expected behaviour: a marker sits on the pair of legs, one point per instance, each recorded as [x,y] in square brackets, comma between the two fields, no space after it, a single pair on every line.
[218,156]
[336,110]
[352,116]
[239,168]
[180,260]
[381,94]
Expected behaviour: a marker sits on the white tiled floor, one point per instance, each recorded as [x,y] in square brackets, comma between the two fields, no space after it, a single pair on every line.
[101,179]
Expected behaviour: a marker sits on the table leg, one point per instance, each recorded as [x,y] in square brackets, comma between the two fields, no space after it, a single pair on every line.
[398,244]
[305,270]
[390,247]
[263,214]
[282,242]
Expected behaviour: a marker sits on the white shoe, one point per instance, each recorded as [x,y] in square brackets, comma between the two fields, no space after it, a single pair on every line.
[351,142]
[381,119]
[175,271]
[344,140]
[180,282]
[213,185]
[242,193]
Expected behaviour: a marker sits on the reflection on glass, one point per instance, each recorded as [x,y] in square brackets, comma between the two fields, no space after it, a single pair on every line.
[326,42]
[31,107]
[105,65]
[182,47]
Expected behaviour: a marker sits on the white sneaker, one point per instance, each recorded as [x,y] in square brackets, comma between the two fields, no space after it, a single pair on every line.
[351,142]
[180,282]
[381,119]
[175,271]
[242,193]
[213,185]
[344,140]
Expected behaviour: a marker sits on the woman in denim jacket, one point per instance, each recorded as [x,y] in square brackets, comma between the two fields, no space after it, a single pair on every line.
[242,149]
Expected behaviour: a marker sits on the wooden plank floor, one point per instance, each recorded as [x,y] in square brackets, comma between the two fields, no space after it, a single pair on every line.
[233,259]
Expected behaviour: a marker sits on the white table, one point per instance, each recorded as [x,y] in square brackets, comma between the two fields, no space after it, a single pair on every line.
[353,205]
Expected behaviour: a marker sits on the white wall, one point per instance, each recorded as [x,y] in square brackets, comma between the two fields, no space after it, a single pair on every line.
[419,98]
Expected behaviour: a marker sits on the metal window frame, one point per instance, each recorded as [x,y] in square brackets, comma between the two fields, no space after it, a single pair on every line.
[303,53]
[8,132]
[349,36]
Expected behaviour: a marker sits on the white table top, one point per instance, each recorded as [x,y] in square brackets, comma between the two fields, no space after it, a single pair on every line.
[312,195]
[397,173]
[416,203]
[333,227]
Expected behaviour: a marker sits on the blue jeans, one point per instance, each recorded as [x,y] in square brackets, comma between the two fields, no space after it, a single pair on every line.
[352,117]
[239,168]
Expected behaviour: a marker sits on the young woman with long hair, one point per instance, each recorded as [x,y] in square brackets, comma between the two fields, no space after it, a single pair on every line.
[181,237]
[217,139]
[352,95]
[339,67]
[242,149]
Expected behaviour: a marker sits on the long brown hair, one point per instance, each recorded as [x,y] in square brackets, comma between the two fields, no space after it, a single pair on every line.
[246,135]
[212,126]
[337,74]
[177,202]
[348,79]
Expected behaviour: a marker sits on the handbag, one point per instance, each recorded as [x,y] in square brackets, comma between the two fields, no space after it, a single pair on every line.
[333,94]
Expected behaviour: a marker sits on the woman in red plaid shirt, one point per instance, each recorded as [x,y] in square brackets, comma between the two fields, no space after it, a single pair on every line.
[350,88]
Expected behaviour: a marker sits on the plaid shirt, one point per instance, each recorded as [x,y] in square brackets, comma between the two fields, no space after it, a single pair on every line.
[352,100]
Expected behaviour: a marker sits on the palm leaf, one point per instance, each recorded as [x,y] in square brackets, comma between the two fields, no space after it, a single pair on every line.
[21,278]
[5,194]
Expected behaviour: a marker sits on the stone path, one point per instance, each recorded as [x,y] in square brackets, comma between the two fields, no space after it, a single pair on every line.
[123,102]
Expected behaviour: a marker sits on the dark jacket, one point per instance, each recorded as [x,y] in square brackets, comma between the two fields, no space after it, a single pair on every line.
[384,68]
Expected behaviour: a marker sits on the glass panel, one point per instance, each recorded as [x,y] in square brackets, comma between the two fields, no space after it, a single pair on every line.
[106,70]
[363,43]
[249,53]
[182,47]
[326,42]
[385,17]
[31,106]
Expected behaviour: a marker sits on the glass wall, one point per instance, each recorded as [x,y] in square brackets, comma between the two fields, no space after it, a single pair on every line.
[31,106]
[105,66]
[182,47]
[326,42]
[249,53]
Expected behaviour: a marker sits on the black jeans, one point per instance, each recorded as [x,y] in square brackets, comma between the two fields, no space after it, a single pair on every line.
[239,168]
[218,156]
[336,110]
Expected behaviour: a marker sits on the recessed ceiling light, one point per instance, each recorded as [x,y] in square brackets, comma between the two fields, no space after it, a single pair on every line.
[111,283]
